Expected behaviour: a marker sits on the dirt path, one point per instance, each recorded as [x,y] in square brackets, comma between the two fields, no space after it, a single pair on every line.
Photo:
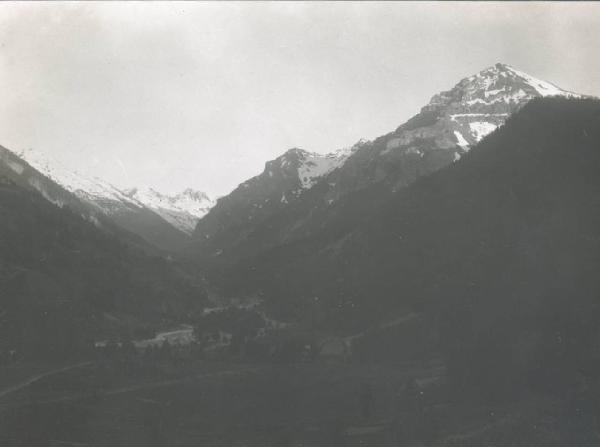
[19,386]
[131,388]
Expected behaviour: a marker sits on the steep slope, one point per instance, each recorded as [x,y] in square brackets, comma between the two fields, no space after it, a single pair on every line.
[107,198]
[273,209]
[23,174]
[102,198]
[283,181]
[64,281]
[500,249]
[182,210]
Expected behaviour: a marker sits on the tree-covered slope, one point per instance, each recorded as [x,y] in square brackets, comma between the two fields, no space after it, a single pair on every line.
[501,249]
[65,281]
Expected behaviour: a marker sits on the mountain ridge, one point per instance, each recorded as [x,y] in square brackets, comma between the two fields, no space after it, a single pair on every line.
[516,214]
[164,221]
[253,217]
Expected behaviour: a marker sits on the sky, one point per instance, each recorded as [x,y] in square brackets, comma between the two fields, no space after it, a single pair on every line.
[201,95]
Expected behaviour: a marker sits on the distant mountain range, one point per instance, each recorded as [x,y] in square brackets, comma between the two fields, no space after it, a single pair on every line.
[301,192]
[181,210]
[165,221]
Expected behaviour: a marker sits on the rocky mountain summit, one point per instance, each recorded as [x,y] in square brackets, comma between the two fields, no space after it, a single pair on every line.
[480,103]
[448,126]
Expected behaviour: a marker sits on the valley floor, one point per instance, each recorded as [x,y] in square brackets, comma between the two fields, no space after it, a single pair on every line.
[199,403]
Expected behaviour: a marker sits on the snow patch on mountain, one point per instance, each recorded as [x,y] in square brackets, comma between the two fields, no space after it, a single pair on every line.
[461,140]
[93,190]
[313,166]
[454,117]
[477,105]
[499,84]
[480,129]
[181,210]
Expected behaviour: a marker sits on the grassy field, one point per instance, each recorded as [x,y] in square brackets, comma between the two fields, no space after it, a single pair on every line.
[200,403]
[219,404]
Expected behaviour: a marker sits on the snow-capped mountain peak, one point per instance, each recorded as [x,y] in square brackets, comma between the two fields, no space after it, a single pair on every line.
[264,211]
[480,103]
[500,85]
[181,210]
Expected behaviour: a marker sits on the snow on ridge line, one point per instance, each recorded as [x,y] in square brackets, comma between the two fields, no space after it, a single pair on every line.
[181,211]
[544,88]
[315,166]
[73,181]
[189,201]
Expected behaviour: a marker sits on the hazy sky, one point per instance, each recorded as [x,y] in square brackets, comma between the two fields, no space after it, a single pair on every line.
[173,95]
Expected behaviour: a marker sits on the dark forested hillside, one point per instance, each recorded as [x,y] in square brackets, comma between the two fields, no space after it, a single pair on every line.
[64,281]
[502,249]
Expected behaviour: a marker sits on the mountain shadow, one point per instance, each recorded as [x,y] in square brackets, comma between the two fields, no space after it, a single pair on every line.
[500,250]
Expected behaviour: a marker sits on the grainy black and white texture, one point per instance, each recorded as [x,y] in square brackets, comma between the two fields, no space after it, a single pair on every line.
[299,224]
